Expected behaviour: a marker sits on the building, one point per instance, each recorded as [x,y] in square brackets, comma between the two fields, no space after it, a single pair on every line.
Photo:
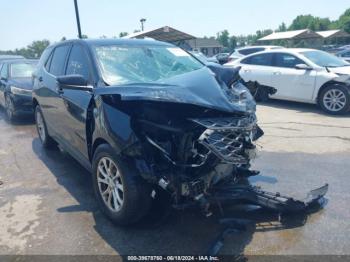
[208,46]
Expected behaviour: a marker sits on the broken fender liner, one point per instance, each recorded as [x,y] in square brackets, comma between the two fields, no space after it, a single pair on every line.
[275,201]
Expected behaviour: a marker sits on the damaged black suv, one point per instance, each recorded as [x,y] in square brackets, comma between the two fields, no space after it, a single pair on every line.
[145,117]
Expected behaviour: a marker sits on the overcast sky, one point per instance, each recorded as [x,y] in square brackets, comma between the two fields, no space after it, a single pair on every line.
[23,21]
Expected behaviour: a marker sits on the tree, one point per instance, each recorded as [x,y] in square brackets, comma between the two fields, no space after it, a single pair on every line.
[122,34]
[344,21]
[232,42]
[223,38]
[36,48]
[282,27]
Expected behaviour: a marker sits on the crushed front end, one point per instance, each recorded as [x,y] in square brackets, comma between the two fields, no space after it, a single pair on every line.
[197,143]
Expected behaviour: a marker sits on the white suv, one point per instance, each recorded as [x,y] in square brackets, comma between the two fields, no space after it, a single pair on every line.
[248,50]
[303,75]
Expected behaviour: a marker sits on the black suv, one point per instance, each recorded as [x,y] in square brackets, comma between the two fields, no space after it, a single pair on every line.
[145,117]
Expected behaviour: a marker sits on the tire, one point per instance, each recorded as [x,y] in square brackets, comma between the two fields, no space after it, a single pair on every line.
[9,109]
[126,198]
[341,103]
[46,140]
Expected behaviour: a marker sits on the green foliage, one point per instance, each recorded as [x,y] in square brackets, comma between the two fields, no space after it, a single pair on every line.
[344,21]
[122,34]
[223,38]
[34,50]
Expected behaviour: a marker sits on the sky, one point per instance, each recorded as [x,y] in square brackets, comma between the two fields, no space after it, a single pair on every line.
[23,21]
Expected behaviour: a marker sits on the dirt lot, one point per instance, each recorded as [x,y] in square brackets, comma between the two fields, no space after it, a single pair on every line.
[47,204]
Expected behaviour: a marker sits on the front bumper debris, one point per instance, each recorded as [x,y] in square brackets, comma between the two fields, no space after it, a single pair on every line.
[273,201]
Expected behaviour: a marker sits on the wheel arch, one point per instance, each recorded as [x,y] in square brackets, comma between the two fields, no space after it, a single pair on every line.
[327,84]
[35,103]
[97,142]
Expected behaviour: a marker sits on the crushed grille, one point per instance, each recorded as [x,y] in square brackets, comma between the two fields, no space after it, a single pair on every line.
[227,122]
[227,137]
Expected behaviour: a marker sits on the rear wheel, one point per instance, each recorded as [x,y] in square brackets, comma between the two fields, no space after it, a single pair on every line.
[120,191]
[9,108]
[44,136]
[335,99]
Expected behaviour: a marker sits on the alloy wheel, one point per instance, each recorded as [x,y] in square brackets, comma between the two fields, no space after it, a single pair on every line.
[9,107]
[334,100]
[110,184]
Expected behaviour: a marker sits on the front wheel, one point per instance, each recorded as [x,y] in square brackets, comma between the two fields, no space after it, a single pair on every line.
[335,100]
[9,108]
[120,191]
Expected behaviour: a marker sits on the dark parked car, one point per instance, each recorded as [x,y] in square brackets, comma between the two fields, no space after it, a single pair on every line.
[345,54]
[145,117]
[16,86]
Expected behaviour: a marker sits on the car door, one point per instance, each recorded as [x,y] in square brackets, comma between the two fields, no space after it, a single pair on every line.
[75,103]
[3,82]
[50,98]
[257,68]
[292,83]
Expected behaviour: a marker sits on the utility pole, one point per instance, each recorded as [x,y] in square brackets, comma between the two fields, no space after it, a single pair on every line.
[142,20]
[77,17]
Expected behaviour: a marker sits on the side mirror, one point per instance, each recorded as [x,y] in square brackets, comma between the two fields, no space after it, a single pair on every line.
[3,79]
[303,67]
[73,82]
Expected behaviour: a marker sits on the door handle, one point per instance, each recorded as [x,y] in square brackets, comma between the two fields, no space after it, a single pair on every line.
[40,79]
[277,73]
[247,71]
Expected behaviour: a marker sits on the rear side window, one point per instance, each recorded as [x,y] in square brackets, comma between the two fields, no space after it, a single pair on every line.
[58,60]
[286,60]
[249,51]
[262,60]
[4,72]
[78,62]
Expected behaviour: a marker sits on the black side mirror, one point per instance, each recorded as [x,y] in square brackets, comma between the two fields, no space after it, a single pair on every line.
[303,67]
[4,79]
[73,82]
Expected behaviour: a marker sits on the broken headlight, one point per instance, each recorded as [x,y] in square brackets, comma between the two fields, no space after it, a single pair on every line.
[241,97]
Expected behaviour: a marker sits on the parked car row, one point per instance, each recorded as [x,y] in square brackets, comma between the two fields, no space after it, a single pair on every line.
[16,85]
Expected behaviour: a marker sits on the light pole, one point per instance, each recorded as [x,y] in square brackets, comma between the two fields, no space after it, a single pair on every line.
[142,20]
[77,17]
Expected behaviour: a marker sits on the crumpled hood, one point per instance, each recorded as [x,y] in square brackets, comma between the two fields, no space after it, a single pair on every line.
[24,83]
[199,87]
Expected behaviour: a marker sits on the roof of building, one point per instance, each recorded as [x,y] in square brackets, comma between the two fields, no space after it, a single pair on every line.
[333,33]
[297,34]
[165,33]
[204,42]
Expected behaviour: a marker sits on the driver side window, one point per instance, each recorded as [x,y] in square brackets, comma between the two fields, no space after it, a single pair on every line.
[286,60]
[78,62]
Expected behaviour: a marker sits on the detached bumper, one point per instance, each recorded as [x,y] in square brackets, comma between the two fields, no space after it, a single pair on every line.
[274,201]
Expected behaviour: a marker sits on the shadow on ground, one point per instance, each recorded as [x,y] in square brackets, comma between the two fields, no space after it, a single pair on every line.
[165,231]
[299,107]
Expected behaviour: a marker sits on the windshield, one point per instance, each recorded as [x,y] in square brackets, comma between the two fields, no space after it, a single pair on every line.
[146,64]
[324,59]
[19,70]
